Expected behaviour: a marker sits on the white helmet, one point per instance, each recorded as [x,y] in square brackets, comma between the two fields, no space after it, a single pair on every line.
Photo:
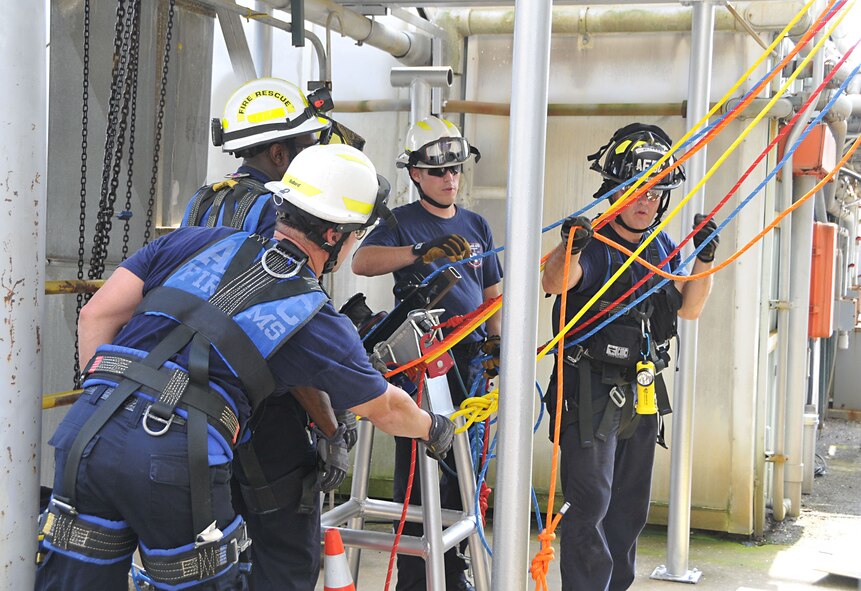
[435,143]
[267,110]
[334,183]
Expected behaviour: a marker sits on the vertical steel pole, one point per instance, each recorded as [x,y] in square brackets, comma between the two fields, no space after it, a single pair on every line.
[23,119]
[681,464]
[528,132]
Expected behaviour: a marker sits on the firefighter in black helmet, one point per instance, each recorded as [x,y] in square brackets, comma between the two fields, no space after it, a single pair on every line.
[613,394]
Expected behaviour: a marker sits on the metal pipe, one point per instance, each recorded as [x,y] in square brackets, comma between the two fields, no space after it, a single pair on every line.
[412,49]
[528,131]
[587,20]
[262,43]
[679,517]
[23,118]
[781,109]
[272,22]
[67,286]
[802,246]
[420,81]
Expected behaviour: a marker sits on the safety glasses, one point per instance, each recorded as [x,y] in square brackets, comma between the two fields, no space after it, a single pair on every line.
[440,172]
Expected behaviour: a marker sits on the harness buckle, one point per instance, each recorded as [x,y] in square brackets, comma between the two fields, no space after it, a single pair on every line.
[573,359]
[617,396]
[63,506]
[209,535]
[147,416]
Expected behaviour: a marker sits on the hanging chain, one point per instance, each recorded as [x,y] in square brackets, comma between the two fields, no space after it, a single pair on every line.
[132,83]
[159,123]
[82,226]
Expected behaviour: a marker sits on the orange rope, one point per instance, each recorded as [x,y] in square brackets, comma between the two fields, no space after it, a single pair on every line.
[546,554]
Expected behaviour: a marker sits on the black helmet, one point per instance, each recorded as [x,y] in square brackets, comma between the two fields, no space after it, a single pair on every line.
[632,150]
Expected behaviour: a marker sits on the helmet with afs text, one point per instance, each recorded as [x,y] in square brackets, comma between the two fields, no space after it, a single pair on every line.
[267,110]
[633,150]
[435,143]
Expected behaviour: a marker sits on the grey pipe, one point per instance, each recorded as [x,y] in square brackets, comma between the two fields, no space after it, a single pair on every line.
[420,82]
[585,20]
[23,118]
[273,22]
[525,198]
[781,109]
[802,245]
[412,49]
[679,518]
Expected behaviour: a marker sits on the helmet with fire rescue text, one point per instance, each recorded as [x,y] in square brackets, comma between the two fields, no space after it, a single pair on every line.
[268,110]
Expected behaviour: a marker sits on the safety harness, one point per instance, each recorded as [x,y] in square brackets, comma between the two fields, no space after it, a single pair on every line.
[226,203]
[643,332]
[243,296]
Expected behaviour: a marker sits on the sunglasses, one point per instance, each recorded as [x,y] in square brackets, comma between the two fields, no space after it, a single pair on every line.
[440,172]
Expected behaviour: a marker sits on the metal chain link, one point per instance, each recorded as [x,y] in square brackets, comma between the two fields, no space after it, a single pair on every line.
[159,123]
[82,225]
[132,83]
[106,213]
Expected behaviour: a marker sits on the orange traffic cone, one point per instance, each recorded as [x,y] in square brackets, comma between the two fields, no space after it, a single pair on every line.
[336,571]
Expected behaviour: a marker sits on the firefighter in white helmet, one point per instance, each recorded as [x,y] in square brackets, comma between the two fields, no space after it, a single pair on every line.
[191,339]
[432,232]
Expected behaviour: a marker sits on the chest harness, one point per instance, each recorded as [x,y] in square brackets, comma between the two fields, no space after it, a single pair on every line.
[243,297]
[231,200]
[642,334]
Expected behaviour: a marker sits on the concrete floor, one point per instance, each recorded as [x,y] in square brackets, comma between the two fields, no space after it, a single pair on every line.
[796,555]
[726,564]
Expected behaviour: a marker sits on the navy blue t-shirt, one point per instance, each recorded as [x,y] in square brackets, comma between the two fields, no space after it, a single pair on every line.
[261,216]
[595,261]
[416,224]
[326,353]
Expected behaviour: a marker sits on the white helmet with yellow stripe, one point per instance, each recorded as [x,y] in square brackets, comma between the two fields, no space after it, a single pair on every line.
[263,111]
[332,186]
[334,183]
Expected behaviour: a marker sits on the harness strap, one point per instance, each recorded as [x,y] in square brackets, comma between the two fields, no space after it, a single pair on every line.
[75,533]
[230,340]
[160,353]
[198,439]
[233,198]
[156,381]
[585,408]
[196,562]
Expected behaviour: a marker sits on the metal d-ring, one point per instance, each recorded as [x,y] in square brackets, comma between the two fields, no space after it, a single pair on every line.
[146,417]
[297,266]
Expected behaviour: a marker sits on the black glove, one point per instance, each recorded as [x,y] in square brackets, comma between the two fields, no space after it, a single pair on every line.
[348,419]
[582,233]
[440,437]
[707,254]
[491,346]
[332,459]
[452,247]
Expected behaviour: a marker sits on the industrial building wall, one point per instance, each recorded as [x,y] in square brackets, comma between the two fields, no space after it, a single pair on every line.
[646,68]
[634,68]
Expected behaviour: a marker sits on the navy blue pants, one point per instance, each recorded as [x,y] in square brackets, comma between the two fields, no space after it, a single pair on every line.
[608,486]
[127,475]
[285,549]
[411,569]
